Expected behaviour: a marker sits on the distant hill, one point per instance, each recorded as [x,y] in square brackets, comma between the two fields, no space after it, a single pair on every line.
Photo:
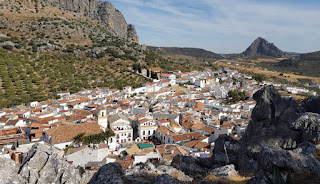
[293,53]
[193,52]
[312,56]
[261,47]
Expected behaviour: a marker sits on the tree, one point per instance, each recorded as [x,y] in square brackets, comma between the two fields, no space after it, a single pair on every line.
[7,47]
[259,77]
[94,138]
[79,138]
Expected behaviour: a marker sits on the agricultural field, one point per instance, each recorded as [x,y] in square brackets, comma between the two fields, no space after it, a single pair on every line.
[26,77]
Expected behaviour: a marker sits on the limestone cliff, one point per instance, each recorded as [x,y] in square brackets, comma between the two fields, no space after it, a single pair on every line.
[103,12]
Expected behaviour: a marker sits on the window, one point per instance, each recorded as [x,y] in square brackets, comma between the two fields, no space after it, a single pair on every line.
[102,113]
[143,133]
[149,133]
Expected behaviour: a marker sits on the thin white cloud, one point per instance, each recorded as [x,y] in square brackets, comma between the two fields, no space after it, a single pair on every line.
[208,22]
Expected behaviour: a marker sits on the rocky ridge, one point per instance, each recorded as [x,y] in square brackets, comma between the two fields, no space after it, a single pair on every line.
[260,46]
[103,12]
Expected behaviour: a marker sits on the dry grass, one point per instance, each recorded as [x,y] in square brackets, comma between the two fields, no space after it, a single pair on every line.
[179,89]
[268,60]
[284,93]
[176,174]
[237,179]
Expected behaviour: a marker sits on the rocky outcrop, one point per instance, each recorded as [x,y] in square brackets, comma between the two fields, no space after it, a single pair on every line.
[8,172]
[278,136]
[309,126]
[312,105]
[261,46]
[188,165]
[103,12]
[226,150]
[43,164]
[165,178]
[226,172]
[141,172]
[298,159]
[109,174]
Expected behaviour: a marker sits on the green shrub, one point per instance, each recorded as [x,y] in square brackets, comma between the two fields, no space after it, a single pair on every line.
[7,47]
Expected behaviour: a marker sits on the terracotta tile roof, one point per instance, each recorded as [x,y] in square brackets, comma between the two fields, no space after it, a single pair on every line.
[125,163]
[187,136]
[199,106]
[166,131]
[198,126]
[66,133]
[168,151]
[3,120]
[146,151]
[208,129]
[164,74]
[187,125]
[201,145]
[133,149]
[12,122]
[191,144]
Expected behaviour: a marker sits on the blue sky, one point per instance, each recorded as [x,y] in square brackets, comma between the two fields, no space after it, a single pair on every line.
[225,26]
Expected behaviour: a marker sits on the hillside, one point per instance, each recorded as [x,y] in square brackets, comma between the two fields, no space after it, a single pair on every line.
[192,52]
[46,47]
[261,47]
[313,56]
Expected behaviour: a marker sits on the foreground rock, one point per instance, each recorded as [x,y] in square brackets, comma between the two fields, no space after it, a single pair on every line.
[278,136]
[298,159]
[225,172]
[188,165]
[109,174]
[42,164]
[8,172]
[143,173]
[165,178]
[226,150]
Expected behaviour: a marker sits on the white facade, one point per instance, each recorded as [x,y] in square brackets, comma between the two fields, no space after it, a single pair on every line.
[123,133]
[103,118]
[147,129]
[86,155]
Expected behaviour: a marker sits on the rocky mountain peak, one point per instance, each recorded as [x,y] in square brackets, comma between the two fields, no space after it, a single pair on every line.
[261,46]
